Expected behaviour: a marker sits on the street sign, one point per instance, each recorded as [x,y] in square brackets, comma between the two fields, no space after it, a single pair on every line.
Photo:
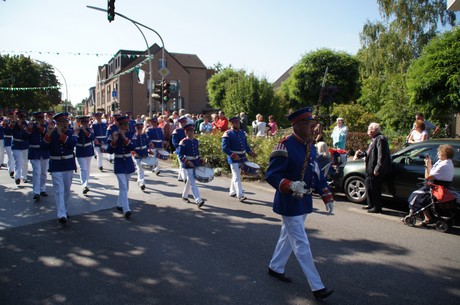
[164,72]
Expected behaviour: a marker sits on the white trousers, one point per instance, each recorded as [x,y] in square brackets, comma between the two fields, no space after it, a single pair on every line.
[10,163]
[2,151]
[97,151]
[157,168]
[62,181]
[294,238]
[191,183]
[20,163]
[235,186]
[39,172]
[140,172]
[123,185]
[182,175]
[85,166]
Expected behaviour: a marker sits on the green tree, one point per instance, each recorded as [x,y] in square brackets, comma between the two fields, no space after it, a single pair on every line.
[303,86]
[28,75]
[434,78]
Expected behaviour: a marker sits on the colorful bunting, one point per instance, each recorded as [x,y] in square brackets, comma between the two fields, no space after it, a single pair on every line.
[28,88]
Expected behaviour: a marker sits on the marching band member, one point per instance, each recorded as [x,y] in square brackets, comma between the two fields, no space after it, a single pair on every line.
[8,140]
[111,129]
[294,173]
[189,157]
[100,131]
[140,141]
[61,141]
[132,122]
[177,136]
[156,138]
[39,157]
[235,146]
[84,149]
[121,146]
[2,137]
[20,147]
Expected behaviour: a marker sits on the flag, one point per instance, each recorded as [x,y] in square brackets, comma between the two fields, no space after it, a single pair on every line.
[140,75]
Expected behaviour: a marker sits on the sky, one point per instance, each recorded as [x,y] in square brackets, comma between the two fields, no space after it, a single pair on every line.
[264,37]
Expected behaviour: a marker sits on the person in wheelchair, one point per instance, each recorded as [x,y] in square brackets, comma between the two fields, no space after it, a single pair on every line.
[441,174]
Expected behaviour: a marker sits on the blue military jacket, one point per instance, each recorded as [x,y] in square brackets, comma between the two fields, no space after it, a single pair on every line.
[85,143]
[123,163]
[61,150]
[8,133]
[156,137]
[177,136]
[234,141]
[286,163]
[35,135]
[100,133]
[20,141]
[140,142]
[188,151]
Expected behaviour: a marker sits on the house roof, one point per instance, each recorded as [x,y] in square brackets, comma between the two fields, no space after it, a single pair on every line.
[282,78]
[188,60]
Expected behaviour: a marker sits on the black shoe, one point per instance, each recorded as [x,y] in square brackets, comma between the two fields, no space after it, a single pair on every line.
[322,293]
[180,180]
[185,199]
[374,210]
[37,197]
[62,220]
[85,190]
[128,214]
[158,173]
[12,174]
[17,181]
[43,194]
[366,207]
[142,187]
[120,209]
[101,168]
[25,181]
[233,195]
[280,276]
[200,203]
[242,199]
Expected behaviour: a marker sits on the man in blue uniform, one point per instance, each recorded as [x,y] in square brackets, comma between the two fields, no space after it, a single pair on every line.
[20,147]
[132,122]
[39,157]
[100,140]
[84,149]
[141,150]
[60,140]
[111,129]
[177,136]
[156,138]
[2,144]
[189,156]
[121,146]
[294,173]
[8,140]
[235,146]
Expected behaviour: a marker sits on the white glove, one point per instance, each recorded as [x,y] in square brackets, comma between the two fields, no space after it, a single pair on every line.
[298,187]
[330,207]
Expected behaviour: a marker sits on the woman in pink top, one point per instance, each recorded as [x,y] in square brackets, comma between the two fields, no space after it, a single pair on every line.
[273,127]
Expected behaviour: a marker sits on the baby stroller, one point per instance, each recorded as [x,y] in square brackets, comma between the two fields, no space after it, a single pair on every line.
[443,210]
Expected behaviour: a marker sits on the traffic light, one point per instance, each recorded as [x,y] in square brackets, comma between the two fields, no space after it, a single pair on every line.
[157,91]
[111,10]
[166,91]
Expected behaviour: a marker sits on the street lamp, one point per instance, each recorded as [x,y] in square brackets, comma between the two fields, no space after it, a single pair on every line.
[148,49]
[65,82]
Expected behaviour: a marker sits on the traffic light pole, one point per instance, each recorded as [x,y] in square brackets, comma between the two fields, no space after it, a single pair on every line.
[137,24]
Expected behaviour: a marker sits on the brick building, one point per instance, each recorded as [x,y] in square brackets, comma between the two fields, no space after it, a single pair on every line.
[118,88]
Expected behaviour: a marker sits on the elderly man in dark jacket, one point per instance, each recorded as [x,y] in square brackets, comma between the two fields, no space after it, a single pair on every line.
[378,164]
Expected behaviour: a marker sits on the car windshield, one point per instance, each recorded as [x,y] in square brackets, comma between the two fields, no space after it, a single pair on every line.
[415,156]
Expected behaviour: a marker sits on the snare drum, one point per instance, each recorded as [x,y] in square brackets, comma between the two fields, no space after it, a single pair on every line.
[149,162]
[250,168]
[162,154]
[204,174]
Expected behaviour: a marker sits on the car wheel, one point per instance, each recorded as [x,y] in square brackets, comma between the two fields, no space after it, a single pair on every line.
[355,189]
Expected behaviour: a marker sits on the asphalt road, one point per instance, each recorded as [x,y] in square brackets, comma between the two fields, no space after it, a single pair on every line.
[171,252]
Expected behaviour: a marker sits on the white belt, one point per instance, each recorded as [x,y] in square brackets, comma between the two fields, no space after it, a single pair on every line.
[100,137]
[84,145]
[61,157]
[8,136]
[18,140]
[191,157]
[140,147]
[34,146]
[238,152]
[157,141]
[122,156]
